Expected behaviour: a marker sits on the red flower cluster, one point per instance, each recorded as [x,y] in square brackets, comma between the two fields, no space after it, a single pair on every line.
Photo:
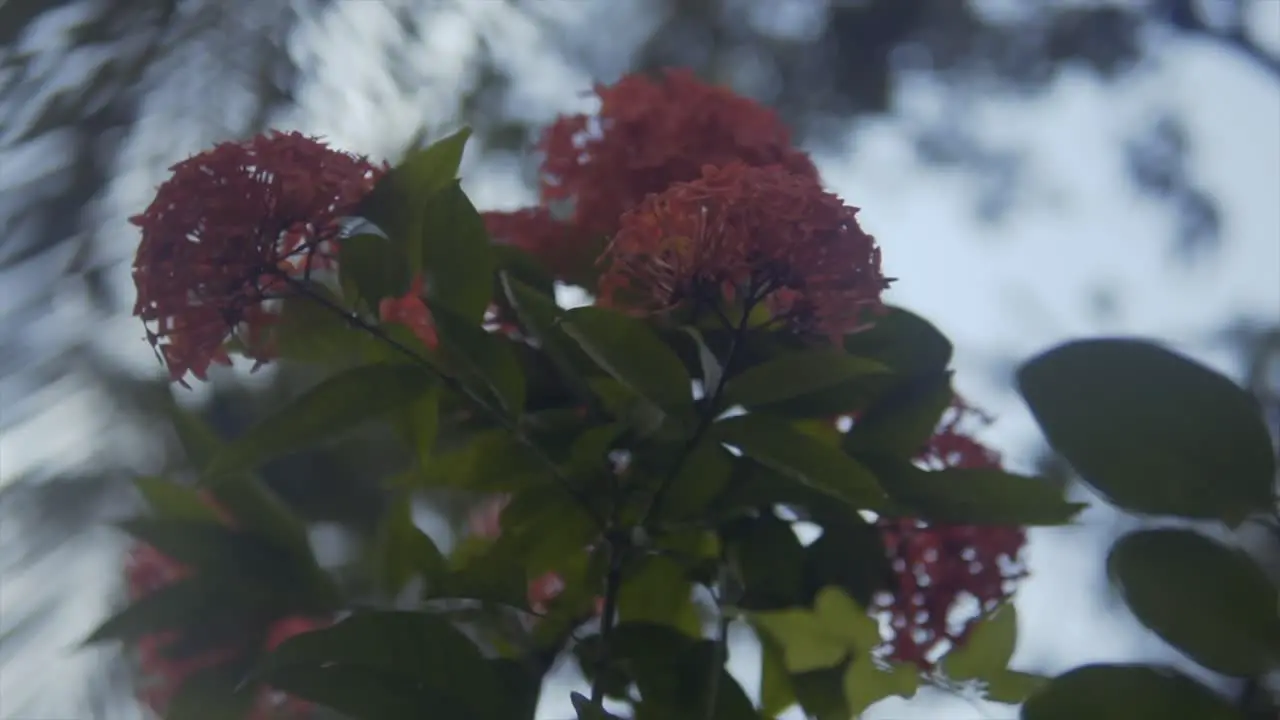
[226,229]
[751,234]
[410,311]
[648,134]
[146,571]
[939,566]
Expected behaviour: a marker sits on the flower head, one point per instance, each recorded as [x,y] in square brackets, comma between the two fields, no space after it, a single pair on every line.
[650,133]
[939,566]
[224,231]
[755,234]
[411,311]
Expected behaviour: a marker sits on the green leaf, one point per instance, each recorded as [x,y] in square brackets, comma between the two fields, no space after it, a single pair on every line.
[497,575]
[457,261]
[850,555]
[901,421]
[633,354]
[212,548]
[170,607]
[776,693]
[395,204]
[384,664]
[904,341]
[702,477]
[1012,687]
[777,444]
[540,316]
[709,364]
[404,551]
[670,670]
[795,374]
[334,405]
[309,331]
[768,559]
[865,684]
[586,711]
[546,527]
[821,693]
[822,637]
[1126,692]
[172,501]
[973,496]
[1210,601]
[420,423]
[482,359]
[1152,431]
[657,591]
[373,267]
[988,650]
[214,693]
[493,461]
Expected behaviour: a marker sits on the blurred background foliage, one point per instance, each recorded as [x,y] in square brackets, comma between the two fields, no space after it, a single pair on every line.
[97,97]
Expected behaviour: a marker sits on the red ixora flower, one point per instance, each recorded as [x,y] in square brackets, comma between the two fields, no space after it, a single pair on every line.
[752,234]
[649,132]
[163,671]
[938,567]
[224,231]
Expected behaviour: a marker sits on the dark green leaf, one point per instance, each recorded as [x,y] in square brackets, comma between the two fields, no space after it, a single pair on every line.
[821,693]
[1153,431]
[373,267]
[216,693]
[404,551]
[540,316]
[388,662]
[336,404]
[776,693]
[457,260]
[170,607]
[973,496]
[703,476]
[546,527]
[632,353]
[624,404]
[493,461]
[849,555]
[497,576]
[901,421]
[310,331]
[779,445]
[865,684]
[670,670]
[904,341]
[988,649]
[657,591]
[712,372]
[795,374]
[420,423]
[769,561]
[172,501]
[1126,692]
[482,359]
[217,549]
[1208,600]
[1012,687]
[396,203]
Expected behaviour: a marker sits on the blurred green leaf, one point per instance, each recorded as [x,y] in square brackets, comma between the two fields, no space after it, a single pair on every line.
[779,445]
[172,501]
[671,671]
[632,353]
[539,315]
[492,461]
[495,575]
[482,360]
[865,684]
[420,423]
[824,636]
[336,404]
[308,331]
[404,551]
[180,603]
[973,496]
[386,664]
[821,693]
[657,591]
[1125,692]
[457,261]
[900,422]
[1153,431]
[1012,687]
[776,693]
[1210,601]
[769,561]
[904,341]
[372,267]
[214,693]
[702,477]
[214,549]
[586,711]
[849,555]
[988,649]
[546,527]
[396,203]
[794,374]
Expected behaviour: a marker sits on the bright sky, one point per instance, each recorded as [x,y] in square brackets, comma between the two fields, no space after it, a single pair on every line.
[1006,290]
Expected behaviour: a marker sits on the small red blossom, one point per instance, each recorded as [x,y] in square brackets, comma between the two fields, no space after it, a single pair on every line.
[410,311]
[750,234]
[224,231]
[937,566]
[163,671]
[650,133]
